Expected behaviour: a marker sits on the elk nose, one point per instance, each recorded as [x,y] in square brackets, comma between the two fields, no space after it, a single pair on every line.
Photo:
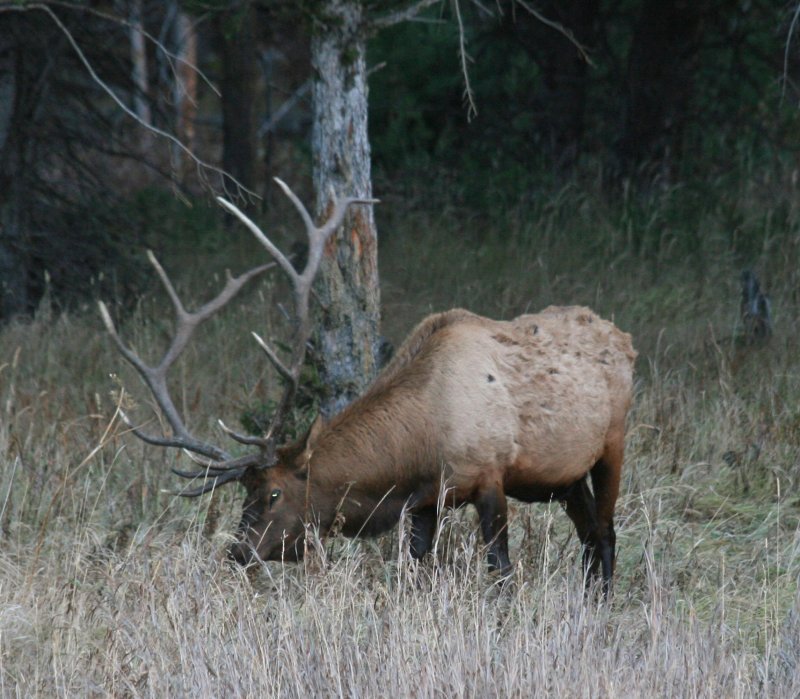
[241,553]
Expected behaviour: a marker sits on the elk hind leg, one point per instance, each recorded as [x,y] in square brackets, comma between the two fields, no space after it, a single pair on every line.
[493,512]
[605,482]
[582,510]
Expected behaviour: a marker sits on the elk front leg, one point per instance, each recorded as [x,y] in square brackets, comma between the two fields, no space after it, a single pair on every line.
[493,511]
[423,527]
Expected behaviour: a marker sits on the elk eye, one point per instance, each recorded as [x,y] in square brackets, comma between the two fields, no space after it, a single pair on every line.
[273,496]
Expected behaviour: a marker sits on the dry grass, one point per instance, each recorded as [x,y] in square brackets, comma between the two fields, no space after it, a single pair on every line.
[109,586]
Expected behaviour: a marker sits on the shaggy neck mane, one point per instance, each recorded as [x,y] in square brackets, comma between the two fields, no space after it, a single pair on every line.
[372,433]
[414,343]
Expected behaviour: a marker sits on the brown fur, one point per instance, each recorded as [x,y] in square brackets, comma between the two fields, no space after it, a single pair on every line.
[525,408]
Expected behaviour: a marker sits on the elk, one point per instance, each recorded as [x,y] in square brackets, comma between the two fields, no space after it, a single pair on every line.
[532,408]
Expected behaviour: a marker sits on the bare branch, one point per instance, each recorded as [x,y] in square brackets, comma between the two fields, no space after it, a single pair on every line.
[789,34]
[469,95]
[201,164]
[277,116]
[560,28]
[172,58]
[405,15]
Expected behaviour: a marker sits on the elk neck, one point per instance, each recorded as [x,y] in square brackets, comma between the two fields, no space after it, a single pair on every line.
[374,457]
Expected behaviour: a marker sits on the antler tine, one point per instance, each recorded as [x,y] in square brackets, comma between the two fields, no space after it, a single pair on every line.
[165,280]
[307,220]
[301,284]
[212,483]
[188,322]
[131,356]
[232,287]
[251,440]
[276,362]
[339,210]
[213,470]
[217,467]
[286,266]
[155,377]
[189,443]
[318,235]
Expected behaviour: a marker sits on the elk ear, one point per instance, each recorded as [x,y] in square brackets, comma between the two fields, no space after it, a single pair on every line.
[314,432]
[289,453]
[292,455]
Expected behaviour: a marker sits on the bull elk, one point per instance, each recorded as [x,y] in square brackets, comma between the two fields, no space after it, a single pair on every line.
[529,408]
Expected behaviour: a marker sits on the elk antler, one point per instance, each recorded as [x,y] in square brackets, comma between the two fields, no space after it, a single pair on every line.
[217,466]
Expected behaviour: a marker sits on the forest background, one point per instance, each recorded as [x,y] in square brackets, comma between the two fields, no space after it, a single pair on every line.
[635,156]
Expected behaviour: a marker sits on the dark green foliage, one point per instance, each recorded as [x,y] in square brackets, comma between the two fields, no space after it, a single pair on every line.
[414,99]
[255,418]
[707,77]
[99,257]
[162,220]
[674,89]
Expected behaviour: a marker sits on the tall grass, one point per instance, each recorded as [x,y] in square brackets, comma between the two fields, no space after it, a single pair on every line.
[111,586]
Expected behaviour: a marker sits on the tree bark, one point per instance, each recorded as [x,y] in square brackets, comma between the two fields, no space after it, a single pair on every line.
[139,77]
[347,339]
[185,87]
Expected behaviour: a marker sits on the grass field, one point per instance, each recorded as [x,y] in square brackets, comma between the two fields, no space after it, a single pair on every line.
[111,587]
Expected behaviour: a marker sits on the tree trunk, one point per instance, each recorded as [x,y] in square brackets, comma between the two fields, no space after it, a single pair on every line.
[13,260]
[347,340]
[239,73]
[141,105]
[185,87]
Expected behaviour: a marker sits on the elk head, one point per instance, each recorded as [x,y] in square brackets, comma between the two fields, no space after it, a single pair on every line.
[272,475]
[276,507]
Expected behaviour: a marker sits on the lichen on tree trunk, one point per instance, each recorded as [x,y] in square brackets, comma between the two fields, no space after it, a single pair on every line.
[347,339]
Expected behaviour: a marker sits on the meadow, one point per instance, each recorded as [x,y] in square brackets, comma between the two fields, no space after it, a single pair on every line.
[112,586]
